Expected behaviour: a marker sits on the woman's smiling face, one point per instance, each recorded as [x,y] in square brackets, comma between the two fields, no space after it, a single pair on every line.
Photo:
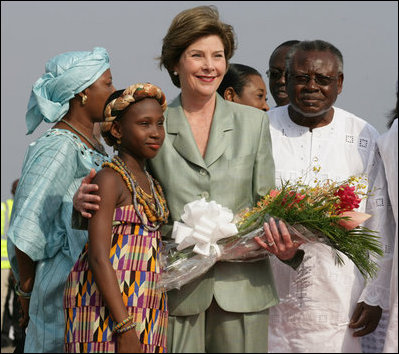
[202,66]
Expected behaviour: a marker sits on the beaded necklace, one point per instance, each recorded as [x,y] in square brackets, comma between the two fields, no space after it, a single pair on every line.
[156,212]
[96,146]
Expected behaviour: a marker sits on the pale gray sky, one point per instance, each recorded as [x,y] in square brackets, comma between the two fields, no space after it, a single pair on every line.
[366,32]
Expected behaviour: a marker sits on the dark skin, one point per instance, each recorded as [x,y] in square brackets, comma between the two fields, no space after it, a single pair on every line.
[141,132]
[311,106]
[253,94]
[277,82]
[83,117]
[311,103]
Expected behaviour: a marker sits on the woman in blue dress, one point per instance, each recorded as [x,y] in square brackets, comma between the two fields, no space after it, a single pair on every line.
[42,245]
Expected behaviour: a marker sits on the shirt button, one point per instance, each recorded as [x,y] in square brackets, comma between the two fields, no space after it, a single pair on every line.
[203,172]
[205,195]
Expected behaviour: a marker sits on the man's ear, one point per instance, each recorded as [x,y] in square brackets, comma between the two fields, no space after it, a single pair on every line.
[340,82]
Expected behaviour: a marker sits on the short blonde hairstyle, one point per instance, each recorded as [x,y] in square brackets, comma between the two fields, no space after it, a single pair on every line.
[189,26]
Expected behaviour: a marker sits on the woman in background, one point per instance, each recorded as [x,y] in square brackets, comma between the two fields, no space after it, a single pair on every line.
[42,246]
[244,84]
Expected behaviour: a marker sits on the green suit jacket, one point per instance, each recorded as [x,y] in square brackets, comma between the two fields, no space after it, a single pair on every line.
[236,171]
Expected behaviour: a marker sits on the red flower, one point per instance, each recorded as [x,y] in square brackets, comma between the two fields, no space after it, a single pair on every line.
[348,200]
[292,194]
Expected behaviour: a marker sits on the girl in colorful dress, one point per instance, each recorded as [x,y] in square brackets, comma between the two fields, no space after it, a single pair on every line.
[111,302]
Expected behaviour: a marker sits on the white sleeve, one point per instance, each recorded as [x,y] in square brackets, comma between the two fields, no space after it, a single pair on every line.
[376,291]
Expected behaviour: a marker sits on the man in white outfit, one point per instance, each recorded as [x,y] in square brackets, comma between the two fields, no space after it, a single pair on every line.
[388,145]
[325,307]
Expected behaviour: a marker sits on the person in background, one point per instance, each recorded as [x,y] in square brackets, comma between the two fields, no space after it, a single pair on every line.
[12,334]
[325,307]
[244,84]
[388,147]
[276,73]
[221,151]
[42,246]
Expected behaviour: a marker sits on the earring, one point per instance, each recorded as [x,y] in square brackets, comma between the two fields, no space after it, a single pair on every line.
[118,141]
[175,73]
[84,99]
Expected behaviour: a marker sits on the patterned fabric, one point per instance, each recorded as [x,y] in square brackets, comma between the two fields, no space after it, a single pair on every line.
[40,226]
[134,255]
[320,296]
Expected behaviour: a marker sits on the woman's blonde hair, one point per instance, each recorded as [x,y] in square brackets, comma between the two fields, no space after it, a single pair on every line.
[187,27]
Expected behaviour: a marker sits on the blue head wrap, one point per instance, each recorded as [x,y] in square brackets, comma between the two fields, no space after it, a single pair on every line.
[66,75]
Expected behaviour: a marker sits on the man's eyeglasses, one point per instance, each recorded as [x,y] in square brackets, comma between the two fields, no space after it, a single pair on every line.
[321,80]
[274,74]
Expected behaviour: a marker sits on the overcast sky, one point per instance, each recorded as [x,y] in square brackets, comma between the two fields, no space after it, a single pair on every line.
[366,32]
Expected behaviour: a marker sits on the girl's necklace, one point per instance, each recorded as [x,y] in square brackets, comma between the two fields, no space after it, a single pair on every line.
[156,212]
[98,147]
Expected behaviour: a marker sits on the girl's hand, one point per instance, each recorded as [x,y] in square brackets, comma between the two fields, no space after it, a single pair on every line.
[278,241]
[128,342]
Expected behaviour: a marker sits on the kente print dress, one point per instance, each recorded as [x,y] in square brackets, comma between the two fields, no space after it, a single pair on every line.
[134,255]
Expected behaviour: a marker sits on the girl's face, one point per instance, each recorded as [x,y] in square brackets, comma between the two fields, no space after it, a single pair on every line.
[141,129]
[201,67]
[253,93]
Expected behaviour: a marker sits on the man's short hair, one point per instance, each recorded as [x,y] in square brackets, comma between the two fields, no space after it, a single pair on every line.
[317,45]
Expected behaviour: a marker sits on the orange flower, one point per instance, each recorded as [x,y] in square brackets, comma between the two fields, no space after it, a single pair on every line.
[355,219]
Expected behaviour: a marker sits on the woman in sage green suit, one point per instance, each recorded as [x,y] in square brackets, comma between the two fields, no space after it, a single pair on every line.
[221,151]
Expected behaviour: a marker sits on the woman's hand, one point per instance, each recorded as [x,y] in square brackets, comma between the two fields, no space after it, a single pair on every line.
[24,311]
[83,199]
[128,342]
[278,242]
[27,272]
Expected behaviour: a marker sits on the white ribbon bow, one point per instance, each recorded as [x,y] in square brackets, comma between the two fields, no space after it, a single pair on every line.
[204,224]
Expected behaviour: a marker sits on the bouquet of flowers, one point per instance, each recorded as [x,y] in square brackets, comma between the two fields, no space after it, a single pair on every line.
[320,213]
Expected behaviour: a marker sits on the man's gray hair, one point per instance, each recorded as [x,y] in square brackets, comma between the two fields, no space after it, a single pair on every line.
[315,45]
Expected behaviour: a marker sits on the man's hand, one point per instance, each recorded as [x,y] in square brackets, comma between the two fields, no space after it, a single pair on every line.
[365,317]
[83,199]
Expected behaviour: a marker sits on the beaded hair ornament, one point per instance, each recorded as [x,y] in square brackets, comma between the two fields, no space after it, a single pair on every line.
[130,95]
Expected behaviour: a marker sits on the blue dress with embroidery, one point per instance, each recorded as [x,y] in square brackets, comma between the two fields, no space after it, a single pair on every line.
[40,226]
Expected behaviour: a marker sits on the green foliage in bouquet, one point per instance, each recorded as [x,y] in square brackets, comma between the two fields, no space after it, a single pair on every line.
[324,211]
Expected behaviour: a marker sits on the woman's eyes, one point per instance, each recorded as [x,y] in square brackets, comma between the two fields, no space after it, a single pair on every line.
[218,55]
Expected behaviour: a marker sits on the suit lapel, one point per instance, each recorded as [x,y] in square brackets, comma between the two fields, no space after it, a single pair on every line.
[180,133]
[222,123]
